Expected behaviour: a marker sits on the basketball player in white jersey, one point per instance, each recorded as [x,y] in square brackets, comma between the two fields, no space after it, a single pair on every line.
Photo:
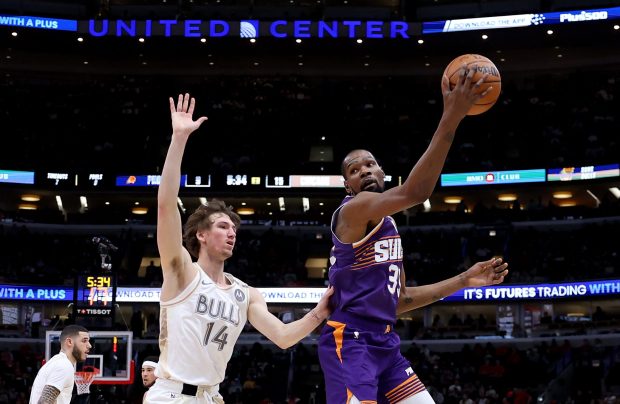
[204,309]
[54,382]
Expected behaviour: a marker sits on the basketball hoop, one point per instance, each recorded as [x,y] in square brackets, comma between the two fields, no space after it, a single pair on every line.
[84,378]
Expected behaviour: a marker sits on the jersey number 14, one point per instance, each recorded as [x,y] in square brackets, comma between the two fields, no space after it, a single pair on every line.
[219,338]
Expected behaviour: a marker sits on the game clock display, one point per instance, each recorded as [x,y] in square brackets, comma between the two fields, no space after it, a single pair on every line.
[95,295]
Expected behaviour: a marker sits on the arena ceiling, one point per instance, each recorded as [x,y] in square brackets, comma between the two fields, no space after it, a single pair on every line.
[515,51]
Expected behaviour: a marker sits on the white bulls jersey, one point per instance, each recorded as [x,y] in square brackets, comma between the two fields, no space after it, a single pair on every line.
[199,329]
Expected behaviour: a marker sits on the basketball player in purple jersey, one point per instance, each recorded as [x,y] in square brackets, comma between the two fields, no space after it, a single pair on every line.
[358,349]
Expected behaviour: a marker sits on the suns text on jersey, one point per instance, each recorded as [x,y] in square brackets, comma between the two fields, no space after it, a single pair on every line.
[388,249]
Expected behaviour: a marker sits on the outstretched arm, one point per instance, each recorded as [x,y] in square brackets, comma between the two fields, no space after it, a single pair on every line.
[286,335]
[491,272]
[174,257]
[424,175]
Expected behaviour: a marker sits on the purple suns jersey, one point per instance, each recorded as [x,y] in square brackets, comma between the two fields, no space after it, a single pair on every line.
[366,274]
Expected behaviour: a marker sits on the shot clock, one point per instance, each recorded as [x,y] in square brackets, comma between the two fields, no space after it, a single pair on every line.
[95,295]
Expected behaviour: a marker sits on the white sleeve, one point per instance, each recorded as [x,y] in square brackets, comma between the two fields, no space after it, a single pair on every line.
[62,377]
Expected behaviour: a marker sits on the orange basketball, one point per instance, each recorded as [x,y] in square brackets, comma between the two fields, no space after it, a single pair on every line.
[483,66]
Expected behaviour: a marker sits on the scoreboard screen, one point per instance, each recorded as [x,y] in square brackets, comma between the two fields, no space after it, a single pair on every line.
[583,173]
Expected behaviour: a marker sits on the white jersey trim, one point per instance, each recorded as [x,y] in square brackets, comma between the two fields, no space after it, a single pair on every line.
[354,244]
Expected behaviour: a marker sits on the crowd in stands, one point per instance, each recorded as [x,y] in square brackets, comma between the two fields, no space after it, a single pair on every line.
[121,122]
[276,256]
[576,371]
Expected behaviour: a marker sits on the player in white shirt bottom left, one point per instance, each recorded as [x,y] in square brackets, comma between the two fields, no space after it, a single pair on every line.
[54,382]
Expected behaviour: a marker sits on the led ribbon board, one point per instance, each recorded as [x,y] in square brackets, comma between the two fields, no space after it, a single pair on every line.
[520,20]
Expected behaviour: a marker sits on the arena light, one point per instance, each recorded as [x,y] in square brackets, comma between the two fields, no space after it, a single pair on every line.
[596,200]
[452,199]
[27,206]
[59,203]
[507,197]
[83,204]
[562,195]
[281,203]
[567,204]
[139,210]
[180,203]
[30,198]
[245,211]
[427,205]
[615,192]
[306,204]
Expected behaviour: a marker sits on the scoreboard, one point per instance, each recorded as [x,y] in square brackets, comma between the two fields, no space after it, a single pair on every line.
[100,180]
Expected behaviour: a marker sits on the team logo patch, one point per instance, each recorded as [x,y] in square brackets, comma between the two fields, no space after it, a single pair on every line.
[409,371]
[248,29]
[239,295]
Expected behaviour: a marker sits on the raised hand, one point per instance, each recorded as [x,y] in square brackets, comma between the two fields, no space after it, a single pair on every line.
[491,272]
[181,114]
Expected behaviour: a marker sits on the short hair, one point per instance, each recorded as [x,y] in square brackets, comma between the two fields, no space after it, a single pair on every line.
[71,331]
[200,220]
[343,168]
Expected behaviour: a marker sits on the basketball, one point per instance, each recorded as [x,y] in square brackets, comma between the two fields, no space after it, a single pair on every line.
[483,66]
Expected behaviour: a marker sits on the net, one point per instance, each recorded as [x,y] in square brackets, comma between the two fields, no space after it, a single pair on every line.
[84,378]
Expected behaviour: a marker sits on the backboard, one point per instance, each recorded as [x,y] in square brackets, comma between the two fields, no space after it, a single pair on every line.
[111,353]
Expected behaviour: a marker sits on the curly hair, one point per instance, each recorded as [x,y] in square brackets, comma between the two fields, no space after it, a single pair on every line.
[201,219]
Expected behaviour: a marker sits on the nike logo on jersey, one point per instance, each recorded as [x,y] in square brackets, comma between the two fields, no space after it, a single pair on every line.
[388,249]
[218,309]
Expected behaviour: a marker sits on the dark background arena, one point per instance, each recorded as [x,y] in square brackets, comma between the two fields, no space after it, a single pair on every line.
[277,108]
